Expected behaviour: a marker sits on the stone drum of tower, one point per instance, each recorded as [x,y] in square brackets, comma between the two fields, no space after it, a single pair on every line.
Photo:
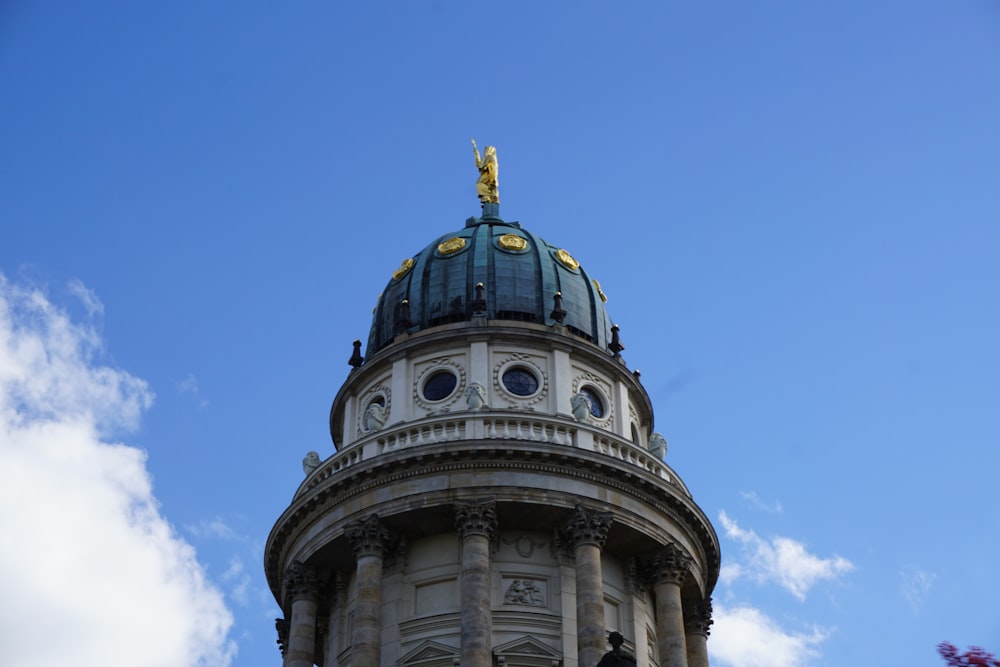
[497,495]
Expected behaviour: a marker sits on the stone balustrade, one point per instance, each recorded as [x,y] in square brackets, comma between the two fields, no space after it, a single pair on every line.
[488,428]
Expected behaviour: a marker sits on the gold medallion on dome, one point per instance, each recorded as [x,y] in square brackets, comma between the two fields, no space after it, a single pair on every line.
[600,292]
[567,259]
[512,242]
[452,245]
[403,269]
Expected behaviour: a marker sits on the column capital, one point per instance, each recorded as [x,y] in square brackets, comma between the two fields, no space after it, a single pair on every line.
[669,565]
[476,517]
[282,625]
[369,537]
[588,526]
[698,616]
[302,582]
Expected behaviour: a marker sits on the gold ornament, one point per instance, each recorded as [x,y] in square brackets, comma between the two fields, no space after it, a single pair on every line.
[486,186]
[567,259]
[454,244]
[600,292]
[512,242]
[403,269]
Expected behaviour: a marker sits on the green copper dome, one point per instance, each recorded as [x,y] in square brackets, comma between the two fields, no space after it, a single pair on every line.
[520,275]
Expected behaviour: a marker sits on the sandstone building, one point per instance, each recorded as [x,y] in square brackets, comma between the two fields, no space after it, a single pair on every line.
[497,495]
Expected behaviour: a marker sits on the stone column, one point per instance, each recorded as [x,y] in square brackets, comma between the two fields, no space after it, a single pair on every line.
[301,585]
[337,599]
[476,523]
[587,530]
[669,569]
[697,619]
[370,541]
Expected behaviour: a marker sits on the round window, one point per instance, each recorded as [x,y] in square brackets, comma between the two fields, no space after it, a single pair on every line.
[378,400]
[596,402]
[520,381]
[439,386]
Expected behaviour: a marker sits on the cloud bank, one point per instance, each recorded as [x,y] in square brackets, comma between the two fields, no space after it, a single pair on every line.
[91,573]
[746,637]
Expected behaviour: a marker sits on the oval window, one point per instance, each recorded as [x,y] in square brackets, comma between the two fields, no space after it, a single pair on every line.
[440,385]
[520,381]
[596,402]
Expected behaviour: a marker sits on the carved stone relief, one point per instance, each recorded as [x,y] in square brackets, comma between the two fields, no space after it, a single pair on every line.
[527,592]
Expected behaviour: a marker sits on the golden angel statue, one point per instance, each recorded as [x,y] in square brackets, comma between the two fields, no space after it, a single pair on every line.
[486,186]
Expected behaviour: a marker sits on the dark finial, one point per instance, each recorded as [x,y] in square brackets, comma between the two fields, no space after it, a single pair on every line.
[636,374]
[356,359]
[615,345]
[558,313]
[479,303]
[403,321]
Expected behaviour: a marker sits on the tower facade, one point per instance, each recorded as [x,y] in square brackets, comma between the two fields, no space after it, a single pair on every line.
[497,494]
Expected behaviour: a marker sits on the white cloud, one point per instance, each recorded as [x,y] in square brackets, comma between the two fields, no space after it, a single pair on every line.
[216,528]
[915,584]
[189,385]
[759,503]
[91,573]
[86,296]
[746,637]
[783,561]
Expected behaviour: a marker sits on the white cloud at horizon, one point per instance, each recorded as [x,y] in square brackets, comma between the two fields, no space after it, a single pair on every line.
[743,636]
[782,561]
[91,572]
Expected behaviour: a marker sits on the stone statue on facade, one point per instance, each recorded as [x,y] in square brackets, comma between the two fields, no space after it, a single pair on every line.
[486,186]
[374,417]
[617,656]
[581,406]
[657,445]
[475,397]
[310,463]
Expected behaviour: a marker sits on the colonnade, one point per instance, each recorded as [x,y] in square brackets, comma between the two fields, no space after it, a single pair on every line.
[682,626]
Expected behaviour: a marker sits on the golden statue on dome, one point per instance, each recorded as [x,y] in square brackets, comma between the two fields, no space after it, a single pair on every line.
[486,186]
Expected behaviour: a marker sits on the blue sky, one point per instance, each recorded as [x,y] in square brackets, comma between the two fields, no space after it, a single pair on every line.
[793,209]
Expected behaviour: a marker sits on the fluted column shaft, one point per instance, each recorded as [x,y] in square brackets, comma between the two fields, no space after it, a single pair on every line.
[588,529]
[697,619]
[302,584]
[476,524]
[369,539]
[670,570]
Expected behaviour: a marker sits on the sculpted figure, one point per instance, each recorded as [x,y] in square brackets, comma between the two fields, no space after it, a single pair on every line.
[310,463]
[581,406]
[617,656]
[658,445]
[374,417]
[486,186]
[475,396]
